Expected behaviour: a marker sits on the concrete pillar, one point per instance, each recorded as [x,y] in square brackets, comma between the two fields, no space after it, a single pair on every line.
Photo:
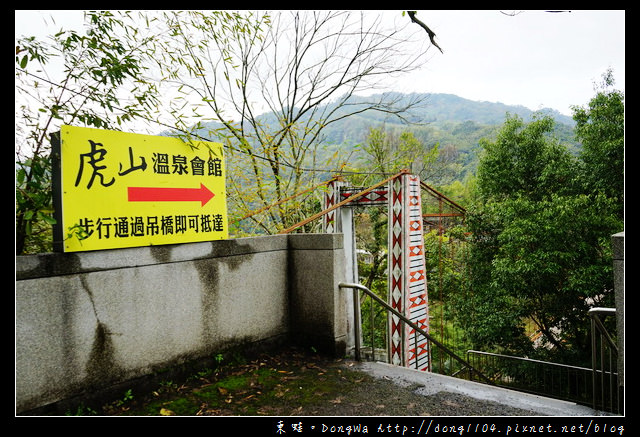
[352,304]
[318,316]
[617,241]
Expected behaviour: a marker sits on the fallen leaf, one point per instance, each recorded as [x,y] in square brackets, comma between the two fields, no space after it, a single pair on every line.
[165,412]
[291,378]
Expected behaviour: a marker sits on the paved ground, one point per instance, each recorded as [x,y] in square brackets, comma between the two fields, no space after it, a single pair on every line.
[298,383]
[470,398]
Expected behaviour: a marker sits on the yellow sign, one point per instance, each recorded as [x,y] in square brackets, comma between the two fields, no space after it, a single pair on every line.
[123,190]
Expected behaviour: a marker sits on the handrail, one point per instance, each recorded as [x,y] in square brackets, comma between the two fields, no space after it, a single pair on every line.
[529,360]
[594,313]
[597,325]
[412,325]
[560,381]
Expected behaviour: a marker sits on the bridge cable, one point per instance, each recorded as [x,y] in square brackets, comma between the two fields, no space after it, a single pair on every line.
[344,202]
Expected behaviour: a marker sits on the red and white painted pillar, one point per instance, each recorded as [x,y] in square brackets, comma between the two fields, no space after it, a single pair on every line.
[407,274]
[406,261]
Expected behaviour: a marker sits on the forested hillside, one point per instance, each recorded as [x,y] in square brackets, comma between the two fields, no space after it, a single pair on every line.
[453,123]
[438,110]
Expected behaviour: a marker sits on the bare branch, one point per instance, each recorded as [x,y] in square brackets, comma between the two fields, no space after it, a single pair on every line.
[274,89]
[431,33]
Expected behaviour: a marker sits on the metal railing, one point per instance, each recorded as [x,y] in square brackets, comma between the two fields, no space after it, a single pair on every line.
[465,366]
[604,362]
[597,386]
[560,381]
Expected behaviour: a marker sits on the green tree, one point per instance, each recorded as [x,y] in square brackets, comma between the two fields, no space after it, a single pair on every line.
[541,250]
[600,128]
[524,160]
[99,86]
[387,151]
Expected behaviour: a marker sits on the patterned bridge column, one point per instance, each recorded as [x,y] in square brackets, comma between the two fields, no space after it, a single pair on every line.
[331,220]
[407,275]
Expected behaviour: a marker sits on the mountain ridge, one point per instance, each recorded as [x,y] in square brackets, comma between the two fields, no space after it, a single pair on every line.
[443,107]
[453,123]
[435,109]
[499,106]
[442,118]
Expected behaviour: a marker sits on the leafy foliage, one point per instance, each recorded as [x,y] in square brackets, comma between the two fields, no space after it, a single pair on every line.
[600,127]
[541,245]
[99,68]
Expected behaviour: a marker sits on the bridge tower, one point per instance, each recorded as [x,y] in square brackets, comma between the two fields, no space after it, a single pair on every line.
[406,258]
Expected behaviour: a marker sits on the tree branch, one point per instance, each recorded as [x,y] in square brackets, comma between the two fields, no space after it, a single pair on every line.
[431,33]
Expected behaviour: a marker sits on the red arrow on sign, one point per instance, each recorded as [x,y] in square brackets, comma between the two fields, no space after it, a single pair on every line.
[157,194]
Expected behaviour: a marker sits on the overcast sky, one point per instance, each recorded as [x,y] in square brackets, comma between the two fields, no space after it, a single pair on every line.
[532,58]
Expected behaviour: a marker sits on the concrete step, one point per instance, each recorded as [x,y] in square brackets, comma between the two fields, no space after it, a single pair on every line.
[431,383]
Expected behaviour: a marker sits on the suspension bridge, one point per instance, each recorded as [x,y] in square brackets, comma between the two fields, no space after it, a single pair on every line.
[401,195]
[414,208]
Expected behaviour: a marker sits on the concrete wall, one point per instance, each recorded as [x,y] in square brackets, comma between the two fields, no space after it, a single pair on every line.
[87,321]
